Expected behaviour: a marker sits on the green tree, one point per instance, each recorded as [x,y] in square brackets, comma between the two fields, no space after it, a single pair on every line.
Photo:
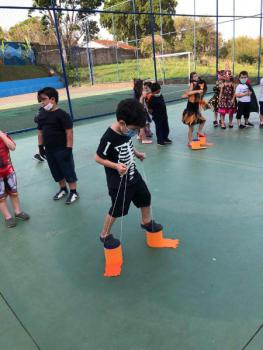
[246,49]
[33,31]
[205,35]
[2,33]
[70,25]
[122,26]
[160,43]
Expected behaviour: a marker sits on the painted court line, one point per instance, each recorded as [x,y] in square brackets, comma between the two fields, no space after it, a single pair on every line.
[18,319]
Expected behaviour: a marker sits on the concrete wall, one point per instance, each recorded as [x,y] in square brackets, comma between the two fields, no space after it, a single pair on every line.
[49,55]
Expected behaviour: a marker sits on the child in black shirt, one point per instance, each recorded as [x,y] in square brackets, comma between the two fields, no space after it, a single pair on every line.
[157,108]
[116,153]
[55,139]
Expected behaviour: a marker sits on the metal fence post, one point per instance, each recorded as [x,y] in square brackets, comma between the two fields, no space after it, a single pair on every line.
[62,60]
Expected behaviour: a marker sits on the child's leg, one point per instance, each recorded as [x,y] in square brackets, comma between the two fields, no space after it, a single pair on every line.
[4,209]
[15,204]
[146,215]
[108,223]
[190,134]
[222,117]
[261,118]
[201,126]
[142,134]
[231,119]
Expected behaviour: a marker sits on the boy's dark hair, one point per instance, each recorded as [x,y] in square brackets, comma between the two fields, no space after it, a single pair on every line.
[155,87]
[191,76]
[50,92]
[132,112]
[137,88]
[244,72]
[147,83]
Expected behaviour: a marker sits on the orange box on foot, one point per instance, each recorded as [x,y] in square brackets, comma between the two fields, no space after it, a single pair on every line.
[156,240]
[113,261]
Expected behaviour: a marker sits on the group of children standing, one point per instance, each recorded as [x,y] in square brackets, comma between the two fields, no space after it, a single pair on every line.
[229,98]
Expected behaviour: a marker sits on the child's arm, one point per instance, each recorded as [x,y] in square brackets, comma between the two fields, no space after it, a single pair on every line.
[121,168]
[69,136]
[7,141]
[139,155]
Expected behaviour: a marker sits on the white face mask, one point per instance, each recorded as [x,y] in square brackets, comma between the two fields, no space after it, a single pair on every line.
[48,107]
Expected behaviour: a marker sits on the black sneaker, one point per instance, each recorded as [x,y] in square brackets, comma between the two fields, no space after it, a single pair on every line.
[161,144]
[38,157]
[261,126]
[152,226]
[215,123]
[248,124]
[60,194]
[72,197]
[230,126]
[241,126]
[168,141]
[110,242]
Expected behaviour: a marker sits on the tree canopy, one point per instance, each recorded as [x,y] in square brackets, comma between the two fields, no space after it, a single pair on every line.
[32,30]
[122,26]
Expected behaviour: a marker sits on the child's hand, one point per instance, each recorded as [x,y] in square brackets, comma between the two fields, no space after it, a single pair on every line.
[121,168]
[140,155]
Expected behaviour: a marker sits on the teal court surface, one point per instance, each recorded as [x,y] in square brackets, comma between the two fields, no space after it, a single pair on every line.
[204,295]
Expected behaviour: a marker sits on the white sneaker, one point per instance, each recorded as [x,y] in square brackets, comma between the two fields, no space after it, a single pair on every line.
[72,197]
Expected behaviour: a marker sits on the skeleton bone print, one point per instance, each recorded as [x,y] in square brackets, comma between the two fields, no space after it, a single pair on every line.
[126,156]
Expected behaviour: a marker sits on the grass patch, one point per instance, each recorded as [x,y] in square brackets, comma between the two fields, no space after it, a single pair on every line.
[9,73]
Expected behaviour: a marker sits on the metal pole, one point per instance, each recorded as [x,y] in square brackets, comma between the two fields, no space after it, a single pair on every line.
[90,61]
[216,37]
[153,43]
[161,34]
[116,48]
[234,38]
[260,39]
[136,38]
[194,36]
[62,59]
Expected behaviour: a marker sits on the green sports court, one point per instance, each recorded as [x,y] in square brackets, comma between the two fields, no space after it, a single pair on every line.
[204,295]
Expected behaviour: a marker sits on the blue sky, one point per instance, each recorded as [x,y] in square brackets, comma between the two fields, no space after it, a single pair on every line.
[248,27]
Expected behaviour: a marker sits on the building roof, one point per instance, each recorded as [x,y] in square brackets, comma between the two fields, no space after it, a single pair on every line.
[112,43]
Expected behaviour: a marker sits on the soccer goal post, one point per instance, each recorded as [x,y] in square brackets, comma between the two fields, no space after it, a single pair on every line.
[168,71]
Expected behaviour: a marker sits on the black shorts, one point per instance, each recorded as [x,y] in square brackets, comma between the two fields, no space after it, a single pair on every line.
[137,193]
[261,107]
[60,168]
[243,108]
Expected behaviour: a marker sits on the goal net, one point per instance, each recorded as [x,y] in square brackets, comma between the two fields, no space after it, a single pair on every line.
[174,67]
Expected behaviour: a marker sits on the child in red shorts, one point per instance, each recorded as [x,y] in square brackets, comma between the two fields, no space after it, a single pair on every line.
[8,183]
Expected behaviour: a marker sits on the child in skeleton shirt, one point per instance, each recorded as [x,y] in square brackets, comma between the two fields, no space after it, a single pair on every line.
[125,184]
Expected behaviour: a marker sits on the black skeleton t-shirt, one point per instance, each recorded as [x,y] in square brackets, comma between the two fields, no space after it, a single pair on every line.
[118,149]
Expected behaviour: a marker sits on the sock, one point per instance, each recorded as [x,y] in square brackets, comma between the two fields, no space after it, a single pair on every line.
[73,191]
[64,189]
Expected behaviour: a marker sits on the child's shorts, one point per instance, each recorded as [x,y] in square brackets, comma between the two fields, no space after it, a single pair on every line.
[137,193]
[8,186]
[243,108]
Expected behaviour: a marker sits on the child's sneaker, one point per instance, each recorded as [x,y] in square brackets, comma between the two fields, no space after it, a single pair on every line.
[168,141]
[215,123]
[110,242]
[248,124]
[241,126]
[10,223]
[72,197]
[261,126]
[60,194]
[146,142]
[152,226]
[22,216]
[38,157]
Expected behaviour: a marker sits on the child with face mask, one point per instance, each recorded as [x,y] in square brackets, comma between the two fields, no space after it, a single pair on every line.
[192,114]
[243,94]
[116,153]
[55,139]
